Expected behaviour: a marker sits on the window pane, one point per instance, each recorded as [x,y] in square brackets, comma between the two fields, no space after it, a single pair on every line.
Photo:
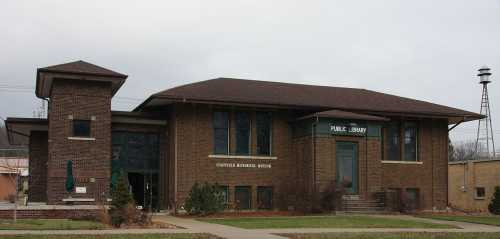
[480,192]
[81,128]
[242,133]
[412,198]
[264,197]
[410,142]
[393,142]
[263,133]
[221,130]
[243,197]
[224,194]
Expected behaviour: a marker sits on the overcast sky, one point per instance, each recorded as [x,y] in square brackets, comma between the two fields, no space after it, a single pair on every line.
[427,50]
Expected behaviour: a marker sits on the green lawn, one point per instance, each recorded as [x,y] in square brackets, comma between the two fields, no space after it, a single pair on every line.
[48,224]
[489,220]
[323,222]
[126,236]
[395,236]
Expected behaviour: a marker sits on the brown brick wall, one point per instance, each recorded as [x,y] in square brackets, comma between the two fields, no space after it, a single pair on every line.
[291,174]
[91,159]
[430,177]
[194,135]
[38,145]
[50,214]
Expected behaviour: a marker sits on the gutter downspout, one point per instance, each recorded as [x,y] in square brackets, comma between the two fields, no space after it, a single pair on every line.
[313,132]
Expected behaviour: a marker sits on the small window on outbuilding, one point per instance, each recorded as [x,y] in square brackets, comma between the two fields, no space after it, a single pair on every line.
[81,128]
[480,192]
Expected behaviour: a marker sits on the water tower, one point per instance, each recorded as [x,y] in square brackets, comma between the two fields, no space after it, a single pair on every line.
[485,146]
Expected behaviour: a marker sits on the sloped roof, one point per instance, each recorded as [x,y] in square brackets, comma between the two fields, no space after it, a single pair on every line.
[340,114]
[81,67]
[80,70]
[230,90]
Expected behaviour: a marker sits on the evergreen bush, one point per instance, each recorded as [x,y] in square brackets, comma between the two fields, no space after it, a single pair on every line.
[494,206]
[121,198]
[204,199]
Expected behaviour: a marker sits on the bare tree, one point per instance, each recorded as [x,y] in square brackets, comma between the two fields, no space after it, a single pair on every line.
[464,151]
[3,136]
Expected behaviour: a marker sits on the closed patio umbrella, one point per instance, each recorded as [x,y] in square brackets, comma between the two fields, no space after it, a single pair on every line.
[70,181]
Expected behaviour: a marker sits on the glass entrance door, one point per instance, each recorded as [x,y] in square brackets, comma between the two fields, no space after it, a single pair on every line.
[137,155]
[347,166]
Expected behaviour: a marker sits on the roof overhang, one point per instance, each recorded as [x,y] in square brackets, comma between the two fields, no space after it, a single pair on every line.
[139,118]
[159,101]
[45,79]
[19,129]
[340,114]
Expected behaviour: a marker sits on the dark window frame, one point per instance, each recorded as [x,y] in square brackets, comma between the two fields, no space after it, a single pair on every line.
[238,124]
[76,132]
[401,138]
[249,200]
[225,191]
[477,193]
[216,128]
[260,191]
[269,137]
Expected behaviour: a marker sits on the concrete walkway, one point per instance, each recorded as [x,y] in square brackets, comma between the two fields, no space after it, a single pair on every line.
[223,231]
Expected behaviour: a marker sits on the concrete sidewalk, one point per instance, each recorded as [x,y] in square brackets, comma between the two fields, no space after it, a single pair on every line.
[223,231]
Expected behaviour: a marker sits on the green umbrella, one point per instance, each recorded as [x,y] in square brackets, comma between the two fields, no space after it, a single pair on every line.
[70,181]
[115,172]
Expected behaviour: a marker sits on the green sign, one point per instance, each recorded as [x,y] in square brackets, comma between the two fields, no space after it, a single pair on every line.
[348,129]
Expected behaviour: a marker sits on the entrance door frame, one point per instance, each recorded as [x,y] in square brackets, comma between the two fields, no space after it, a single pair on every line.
[355,168]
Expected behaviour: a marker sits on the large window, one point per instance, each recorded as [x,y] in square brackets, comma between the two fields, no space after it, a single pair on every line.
[242,120]
[81,128]
[410,141]
[221,132]
[393,142]
[264,121]
[401,141]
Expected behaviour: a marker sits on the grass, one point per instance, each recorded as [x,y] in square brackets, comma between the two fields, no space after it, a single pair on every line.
[121,236]
[49,224]
[324,222]
[409,235]
[488,220]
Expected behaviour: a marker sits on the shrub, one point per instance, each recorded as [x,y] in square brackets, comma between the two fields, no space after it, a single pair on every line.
[494,206]
[204,199]
[121,198]
[330,198]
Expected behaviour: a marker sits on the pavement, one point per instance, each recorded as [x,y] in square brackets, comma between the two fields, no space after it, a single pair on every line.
[228,232]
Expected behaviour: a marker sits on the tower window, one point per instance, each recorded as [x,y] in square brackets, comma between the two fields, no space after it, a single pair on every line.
[81,128]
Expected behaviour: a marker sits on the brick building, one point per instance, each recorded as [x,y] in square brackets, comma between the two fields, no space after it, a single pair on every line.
[268,144]
[472,184]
